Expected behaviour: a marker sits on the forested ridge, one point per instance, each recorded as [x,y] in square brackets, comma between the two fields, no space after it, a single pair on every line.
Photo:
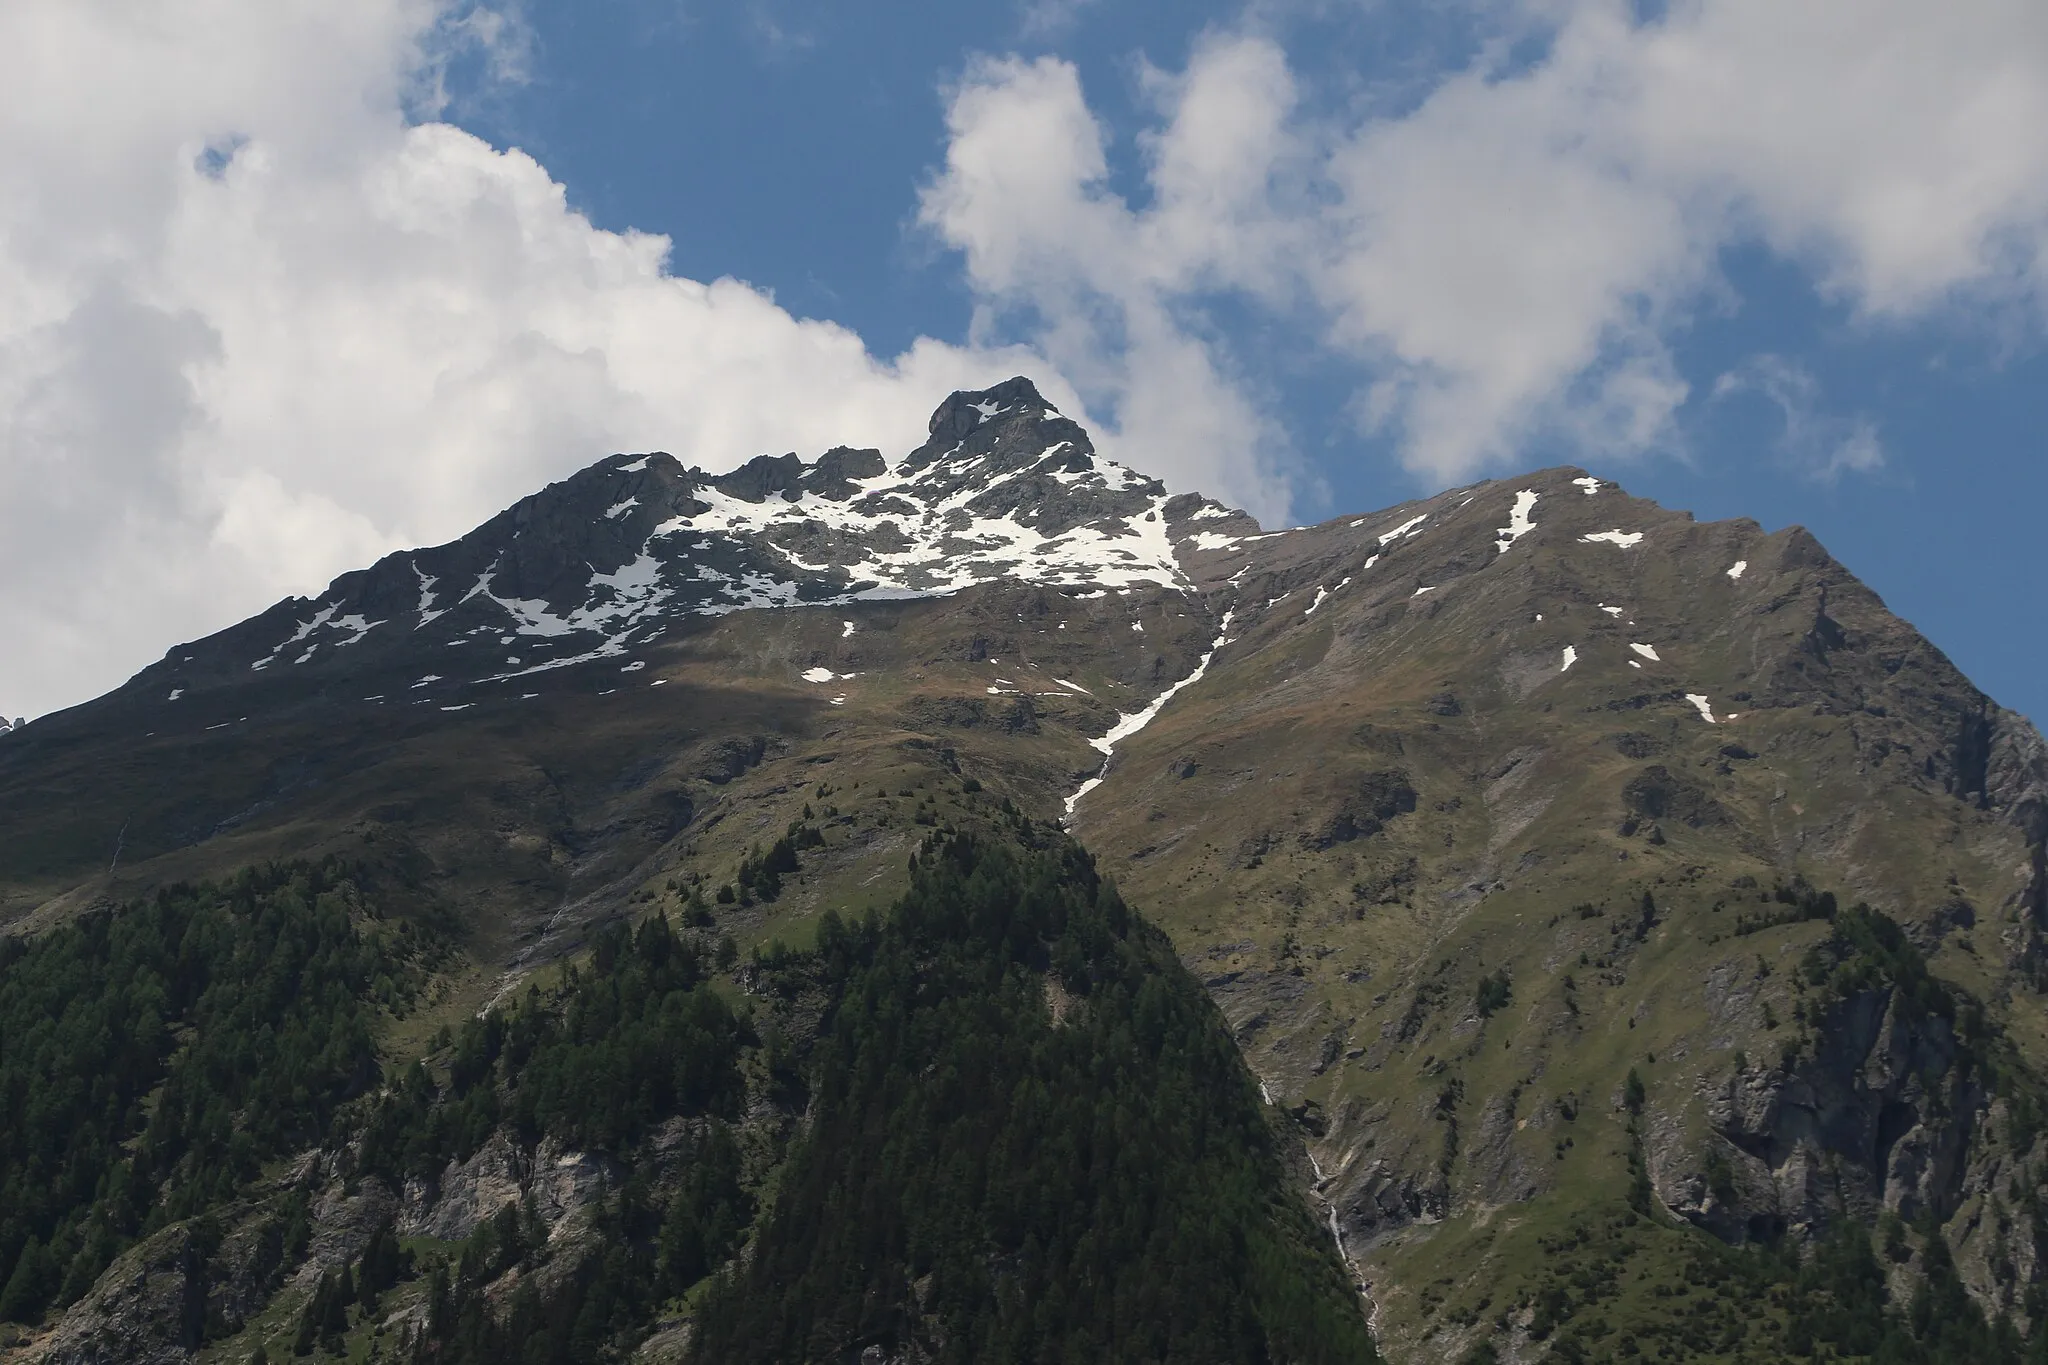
[152,1058]
[1020,1130]
[1032,1139]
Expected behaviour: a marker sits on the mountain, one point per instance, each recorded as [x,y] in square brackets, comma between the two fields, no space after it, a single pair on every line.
[1622,915]
[608,562]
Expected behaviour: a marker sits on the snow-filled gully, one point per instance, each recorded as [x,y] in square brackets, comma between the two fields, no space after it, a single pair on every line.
[1129,725]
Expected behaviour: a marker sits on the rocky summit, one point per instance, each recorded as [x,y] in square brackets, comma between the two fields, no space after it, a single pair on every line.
[1628,932]
[608,562]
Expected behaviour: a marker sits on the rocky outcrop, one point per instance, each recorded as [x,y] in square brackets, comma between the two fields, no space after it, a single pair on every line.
[149,1308]
[553,1181]
[1883,1115]
[200,1282]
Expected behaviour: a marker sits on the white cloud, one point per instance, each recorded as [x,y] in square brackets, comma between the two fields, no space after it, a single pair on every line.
[1817,444]
[1110,293]
[1051,18]
[257,326]
[1504,258]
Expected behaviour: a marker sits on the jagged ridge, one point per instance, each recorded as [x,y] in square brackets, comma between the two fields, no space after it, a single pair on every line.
[1004,488]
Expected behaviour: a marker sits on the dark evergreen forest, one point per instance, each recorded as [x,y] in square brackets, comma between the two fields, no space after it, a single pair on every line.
[151,1059]
[1025,1133]
[1031,1139]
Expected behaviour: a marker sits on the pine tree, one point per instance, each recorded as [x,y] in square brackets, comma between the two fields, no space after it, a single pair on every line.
[310,1318]
[28,1287]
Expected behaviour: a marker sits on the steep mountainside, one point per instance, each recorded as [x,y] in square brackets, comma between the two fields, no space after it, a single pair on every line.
[1517,832]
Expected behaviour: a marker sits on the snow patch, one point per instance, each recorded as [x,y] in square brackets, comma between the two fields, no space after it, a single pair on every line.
[1405,528]
[1699,704]
[1571,656]
[1736,569]
[1588,486]
[320,618]
[1519,524]
[817,675]
[1647,651]
[1129,725]
[1622,538]
[426,609]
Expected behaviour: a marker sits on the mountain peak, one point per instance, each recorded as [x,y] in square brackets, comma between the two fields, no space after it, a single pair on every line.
[602,564]
[966,409]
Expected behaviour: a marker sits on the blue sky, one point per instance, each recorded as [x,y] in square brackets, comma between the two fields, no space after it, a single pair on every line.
[785,144]
[319,281]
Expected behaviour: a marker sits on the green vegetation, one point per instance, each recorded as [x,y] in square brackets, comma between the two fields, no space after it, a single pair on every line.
[1025,1135]
[996,1184]
[1028,1134]
[152,1058]
[636,1037]
[1867,950]
[1609,1276]
[979,1177]
[1495,992]
[761,871]
[1613,1285]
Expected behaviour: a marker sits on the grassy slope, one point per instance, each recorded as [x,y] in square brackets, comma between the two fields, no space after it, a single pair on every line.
[1351,971]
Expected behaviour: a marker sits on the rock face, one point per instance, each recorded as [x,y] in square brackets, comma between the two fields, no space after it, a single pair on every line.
[1881,1092]
[1464,810]
[556,1183]
[148,1309]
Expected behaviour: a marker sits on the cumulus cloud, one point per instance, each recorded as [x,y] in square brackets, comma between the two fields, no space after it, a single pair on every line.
[1505,258]
[260,323]
[1111,294]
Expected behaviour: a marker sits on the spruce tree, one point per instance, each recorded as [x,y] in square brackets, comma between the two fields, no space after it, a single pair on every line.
[28,1287]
